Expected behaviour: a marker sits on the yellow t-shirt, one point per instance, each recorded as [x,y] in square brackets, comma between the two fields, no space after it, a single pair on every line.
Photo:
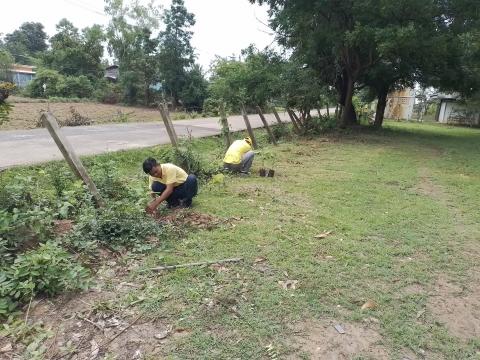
[171,174]
[235,152]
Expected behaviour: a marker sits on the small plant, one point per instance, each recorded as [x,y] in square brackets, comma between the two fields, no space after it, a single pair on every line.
[282,131]
[76,119]
[47,270]
[190,161]
[122,117]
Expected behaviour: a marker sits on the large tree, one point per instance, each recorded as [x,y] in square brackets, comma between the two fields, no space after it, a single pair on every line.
[27,41]
[76,53]
[370,43]
[132,42]
[176,54]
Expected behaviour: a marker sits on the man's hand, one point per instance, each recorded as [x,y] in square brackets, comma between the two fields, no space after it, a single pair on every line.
[150,209]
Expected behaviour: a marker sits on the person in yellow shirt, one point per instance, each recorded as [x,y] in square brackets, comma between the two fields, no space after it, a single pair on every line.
[171,182]
[239,156]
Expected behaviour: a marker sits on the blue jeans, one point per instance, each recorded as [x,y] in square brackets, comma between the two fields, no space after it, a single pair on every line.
[244,166]
[184,192]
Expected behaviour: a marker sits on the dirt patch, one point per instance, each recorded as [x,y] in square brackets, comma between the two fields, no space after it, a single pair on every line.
[185,217]
[62,227]
[428,188]
[456,307]
[323,341]
[26,115]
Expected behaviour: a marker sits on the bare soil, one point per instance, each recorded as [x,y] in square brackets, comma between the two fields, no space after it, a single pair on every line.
[25,115]
[457,307]
[320,340]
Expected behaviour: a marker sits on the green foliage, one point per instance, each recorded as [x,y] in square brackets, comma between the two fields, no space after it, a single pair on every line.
[58,85]
[188,159]
[5,89]
[282,131]
[176,54]
[119,225]
[130,40]
[27,41]
[194,92]
[74,53]
[107,92]
[6,63]
[319,125]
[47,270]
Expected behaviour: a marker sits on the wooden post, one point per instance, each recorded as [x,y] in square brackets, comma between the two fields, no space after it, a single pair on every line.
[294,122]
[50,122]
[225,128]
[265,124]
[168,125]
[249,127]
[276,115]
[299,122]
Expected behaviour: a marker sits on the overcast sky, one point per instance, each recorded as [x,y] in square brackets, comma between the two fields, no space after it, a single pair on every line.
[223,27]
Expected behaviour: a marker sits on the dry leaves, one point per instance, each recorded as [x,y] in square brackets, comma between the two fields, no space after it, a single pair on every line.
[323,235]
[370,304]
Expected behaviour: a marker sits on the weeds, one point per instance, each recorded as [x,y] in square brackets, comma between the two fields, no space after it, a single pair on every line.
[47,270]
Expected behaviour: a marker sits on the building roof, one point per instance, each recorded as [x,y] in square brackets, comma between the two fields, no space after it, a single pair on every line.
[24,69]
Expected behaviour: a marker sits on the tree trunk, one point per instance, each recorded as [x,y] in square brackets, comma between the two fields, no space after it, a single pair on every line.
[381,105]
[328,110]
[348,115]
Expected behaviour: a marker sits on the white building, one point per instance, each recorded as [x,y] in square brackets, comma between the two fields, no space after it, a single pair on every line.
[451,111]
[400,104]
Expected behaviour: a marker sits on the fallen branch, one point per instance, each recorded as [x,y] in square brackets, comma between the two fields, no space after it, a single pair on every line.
[119,333]
[90,322]
[171,267]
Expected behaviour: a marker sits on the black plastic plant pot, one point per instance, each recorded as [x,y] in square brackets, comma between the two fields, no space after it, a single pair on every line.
[262,172]
[271,173]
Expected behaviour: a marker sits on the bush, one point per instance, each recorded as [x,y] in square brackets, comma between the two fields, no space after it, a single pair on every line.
[281,131]
[74,86]
[185,157]
[107,92]
[47,270]
[115,227]
[51,78]
[58,85]
[319,125]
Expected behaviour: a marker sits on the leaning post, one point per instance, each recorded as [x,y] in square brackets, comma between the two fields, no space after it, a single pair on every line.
[224,123]
[249,127]
[275,113]
[265,124]
[294,122]
[168,125]
[50,122]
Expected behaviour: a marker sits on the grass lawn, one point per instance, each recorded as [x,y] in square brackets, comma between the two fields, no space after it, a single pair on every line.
[402,208]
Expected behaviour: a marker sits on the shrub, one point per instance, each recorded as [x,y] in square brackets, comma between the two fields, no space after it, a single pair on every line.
[51,78]
[189,160]
[107,92]
[47,270]
[319,125]
[115,227]
[281,131]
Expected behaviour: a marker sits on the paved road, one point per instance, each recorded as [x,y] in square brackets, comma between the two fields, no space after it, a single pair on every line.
[26,147]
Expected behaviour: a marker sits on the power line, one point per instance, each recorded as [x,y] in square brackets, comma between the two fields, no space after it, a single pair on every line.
[82,5]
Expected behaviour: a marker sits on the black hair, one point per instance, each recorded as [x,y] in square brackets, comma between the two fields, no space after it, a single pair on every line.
[149,164]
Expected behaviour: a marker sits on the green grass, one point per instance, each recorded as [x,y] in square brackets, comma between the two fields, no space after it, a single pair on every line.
[386,235]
